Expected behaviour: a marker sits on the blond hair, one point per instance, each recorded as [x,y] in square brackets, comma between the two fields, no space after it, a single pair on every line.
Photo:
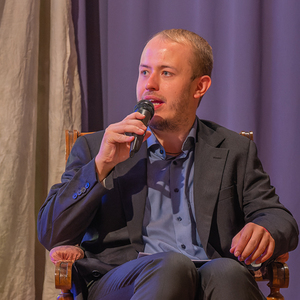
[202,63]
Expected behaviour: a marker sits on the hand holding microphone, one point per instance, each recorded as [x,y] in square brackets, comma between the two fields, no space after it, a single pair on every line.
[123,136]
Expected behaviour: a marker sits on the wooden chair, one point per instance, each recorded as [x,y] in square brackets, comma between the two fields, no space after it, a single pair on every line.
[277,272]
[71,137]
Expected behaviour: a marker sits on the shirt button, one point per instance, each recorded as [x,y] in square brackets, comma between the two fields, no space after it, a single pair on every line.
[176,190]
[179,219]
[161,151]
[183,246]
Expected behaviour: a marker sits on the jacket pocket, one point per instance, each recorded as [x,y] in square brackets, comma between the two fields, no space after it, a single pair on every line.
[227,193]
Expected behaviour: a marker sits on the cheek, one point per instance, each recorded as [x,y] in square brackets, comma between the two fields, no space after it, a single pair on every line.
[174,88]
[139,90]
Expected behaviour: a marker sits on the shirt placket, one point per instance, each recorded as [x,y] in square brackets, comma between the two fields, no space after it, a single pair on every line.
[181,218]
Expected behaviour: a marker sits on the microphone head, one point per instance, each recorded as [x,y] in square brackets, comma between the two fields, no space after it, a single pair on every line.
[145,105]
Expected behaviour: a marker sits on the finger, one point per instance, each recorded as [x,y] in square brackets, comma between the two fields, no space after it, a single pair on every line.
[119,138]
[267,253]
[258,260]
[135,115]
[262,247]
[127,126]
[255,255]
[234,242]
[242,241]
[251,247]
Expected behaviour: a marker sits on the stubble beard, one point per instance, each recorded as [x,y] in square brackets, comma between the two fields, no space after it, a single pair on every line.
[178,121]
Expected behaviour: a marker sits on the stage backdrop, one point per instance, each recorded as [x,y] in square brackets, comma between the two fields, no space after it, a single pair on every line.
[39,98]
[255,81]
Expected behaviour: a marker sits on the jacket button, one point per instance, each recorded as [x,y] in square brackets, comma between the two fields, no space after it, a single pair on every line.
[74,195]
[96,274]
[87,185]
[83,190]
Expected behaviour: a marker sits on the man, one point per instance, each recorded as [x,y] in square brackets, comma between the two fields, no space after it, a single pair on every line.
[194,191]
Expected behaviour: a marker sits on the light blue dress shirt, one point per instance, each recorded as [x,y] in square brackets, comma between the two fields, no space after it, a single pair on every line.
[169,221]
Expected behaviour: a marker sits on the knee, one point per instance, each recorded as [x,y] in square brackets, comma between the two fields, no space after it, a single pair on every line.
[173,275]
[223,277]
[224,270]
[176,262]
[174,265]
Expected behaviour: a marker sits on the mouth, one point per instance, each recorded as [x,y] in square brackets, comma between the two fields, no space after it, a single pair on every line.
[155,101]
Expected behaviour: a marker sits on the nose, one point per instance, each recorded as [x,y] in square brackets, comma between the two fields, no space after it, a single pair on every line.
[152,83]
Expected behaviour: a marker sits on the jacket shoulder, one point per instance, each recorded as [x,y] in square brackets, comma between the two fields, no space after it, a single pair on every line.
[211,131]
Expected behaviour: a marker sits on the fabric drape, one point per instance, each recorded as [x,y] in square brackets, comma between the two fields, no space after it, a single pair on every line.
[40,97]
[19,34]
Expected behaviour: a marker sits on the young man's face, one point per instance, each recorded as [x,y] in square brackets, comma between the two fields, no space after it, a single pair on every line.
[165,74]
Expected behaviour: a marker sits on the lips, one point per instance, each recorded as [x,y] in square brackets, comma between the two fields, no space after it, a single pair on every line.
[155,101]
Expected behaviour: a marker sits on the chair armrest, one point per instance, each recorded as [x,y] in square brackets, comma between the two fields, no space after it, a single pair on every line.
[63,257]
[277,273]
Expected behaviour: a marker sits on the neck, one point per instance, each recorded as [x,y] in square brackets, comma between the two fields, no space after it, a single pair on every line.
[171,141]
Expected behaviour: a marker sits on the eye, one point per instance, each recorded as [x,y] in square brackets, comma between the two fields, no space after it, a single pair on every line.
[144,72]
[166,73]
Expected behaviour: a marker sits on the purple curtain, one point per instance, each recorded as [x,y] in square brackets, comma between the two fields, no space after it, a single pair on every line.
[256,76]
[87,30]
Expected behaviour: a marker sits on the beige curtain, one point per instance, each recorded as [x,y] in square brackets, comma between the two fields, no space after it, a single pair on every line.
[39,98]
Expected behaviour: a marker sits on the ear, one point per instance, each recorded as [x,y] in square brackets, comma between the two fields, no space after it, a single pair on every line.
[203,84]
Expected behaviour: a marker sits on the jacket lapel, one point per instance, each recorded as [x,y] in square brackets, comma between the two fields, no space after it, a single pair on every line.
[209,166]
[133,192]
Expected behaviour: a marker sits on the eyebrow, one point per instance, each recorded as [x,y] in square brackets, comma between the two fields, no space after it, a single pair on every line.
[161,67]
[144,66]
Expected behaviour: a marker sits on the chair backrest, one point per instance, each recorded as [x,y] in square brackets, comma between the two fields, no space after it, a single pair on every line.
[71,137]
[248,134]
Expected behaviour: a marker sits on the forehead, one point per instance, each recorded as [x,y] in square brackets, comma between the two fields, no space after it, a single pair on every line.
[165,51]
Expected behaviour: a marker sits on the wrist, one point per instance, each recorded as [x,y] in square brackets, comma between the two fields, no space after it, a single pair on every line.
[102,169]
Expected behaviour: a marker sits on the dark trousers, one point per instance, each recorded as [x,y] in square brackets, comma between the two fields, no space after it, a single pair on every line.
[173,276]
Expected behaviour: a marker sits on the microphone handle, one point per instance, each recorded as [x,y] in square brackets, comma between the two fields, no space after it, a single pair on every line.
[138,139]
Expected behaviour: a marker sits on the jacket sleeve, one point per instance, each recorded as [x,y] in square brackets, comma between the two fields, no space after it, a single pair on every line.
[71,205]
[261,206]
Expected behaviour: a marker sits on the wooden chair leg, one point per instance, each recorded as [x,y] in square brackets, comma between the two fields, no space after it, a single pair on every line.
[63,257]
[65,295]
[279,278]
[63,279]
[275,294]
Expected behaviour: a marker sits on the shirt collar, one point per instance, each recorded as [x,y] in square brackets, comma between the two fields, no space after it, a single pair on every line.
[154,146]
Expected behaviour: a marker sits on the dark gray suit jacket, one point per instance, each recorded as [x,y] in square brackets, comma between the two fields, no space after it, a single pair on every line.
[230,190]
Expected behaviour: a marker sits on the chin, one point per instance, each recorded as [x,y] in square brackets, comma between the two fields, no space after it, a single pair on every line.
[158,123]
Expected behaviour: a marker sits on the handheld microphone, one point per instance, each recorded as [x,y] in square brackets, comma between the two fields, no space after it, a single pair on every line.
[146,108]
